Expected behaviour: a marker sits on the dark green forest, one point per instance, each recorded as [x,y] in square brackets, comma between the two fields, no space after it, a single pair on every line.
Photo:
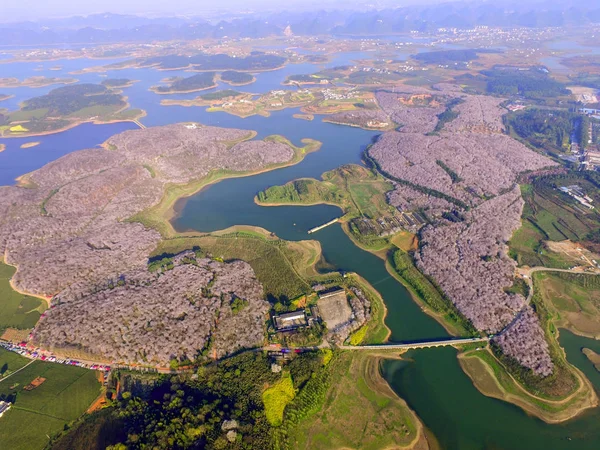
[184,412]
[66,100]
[203,61]
[231,76]
[545,129]
[531,83]
[195,82]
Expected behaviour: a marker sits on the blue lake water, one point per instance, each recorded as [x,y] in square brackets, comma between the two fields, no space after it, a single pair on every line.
[430,380]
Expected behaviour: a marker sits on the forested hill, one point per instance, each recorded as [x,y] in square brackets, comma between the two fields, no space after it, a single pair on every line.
[118,28]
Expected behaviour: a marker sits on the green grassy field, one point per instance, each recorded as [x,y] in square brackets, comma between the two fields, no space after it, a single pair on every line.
[10,362]
[273,263]
[401,266]
[65,395]
[355,189]
[16,310]
[574,298]
[357,410]
[358,191]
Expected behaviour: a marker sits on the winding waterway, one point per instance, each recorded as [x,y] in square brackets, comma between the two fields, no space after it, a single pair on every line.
[431,380]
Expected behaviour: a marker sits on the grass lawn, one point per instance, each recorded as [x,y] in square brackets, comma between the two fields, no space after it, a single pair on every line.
[63,397]
[16,310]
[9,362]
[527,247]
[25,430]
[273,262]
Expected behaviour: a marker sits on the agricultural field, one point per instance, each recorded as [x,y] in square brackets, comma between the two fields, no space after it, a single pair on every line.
[17,310]
[551,215]
[62,397]
[359,410]
[575,298]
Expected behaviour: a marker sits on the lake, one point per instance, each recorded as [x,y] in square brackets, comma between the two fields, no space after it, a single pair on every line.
[431,381]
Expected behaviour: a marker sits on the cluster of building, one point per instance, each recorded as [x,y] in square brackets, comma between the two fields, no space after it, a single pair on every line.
[592,160]
[295,320]
[485,35]
[334,94]
[576,192]
[4,406]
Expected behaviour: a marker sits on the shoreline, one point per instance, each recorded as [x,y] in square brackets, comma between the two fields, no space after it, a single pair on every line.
[121,86]
[450,328]
[73,125]
[548,417]
[230,83]
[388,128]
[23,84]
[169,207]
[45,299]
[154,89]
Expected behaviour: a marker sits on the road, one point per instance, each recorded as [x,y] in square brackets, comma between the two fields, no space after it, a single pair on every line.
[17,371]
[527,275]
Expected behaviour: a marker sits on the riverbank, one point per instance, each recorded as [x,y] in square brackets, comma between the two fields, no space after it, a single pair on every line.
[493,379]
[161,215]
[564,394]
[433,303]
[34,82]
[96,121]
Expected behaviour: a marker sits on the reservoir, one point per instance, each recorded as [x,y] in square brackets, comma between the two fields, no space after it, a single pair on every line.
[430,380]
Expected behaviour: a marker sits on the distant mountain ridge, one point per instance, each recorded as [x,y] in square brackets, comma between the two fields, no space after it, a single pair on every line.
[106,28]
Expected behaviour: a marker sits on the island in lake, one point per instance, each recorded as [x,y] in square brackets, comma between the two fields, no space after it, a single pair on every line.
[66,107]
[118,83]
[34,82]
[432,257]
[179,85]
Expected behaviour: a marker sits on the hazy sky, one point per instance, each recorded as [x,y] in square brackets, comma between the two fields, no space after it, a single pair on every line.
[11,10]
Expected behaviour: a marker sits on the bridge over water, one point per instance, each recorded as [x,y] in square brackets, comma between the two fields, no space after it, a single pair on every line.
[416,345]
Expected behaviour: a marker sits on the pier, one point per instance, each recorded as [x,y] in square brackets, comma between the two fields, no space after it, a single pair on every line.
[320,227]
